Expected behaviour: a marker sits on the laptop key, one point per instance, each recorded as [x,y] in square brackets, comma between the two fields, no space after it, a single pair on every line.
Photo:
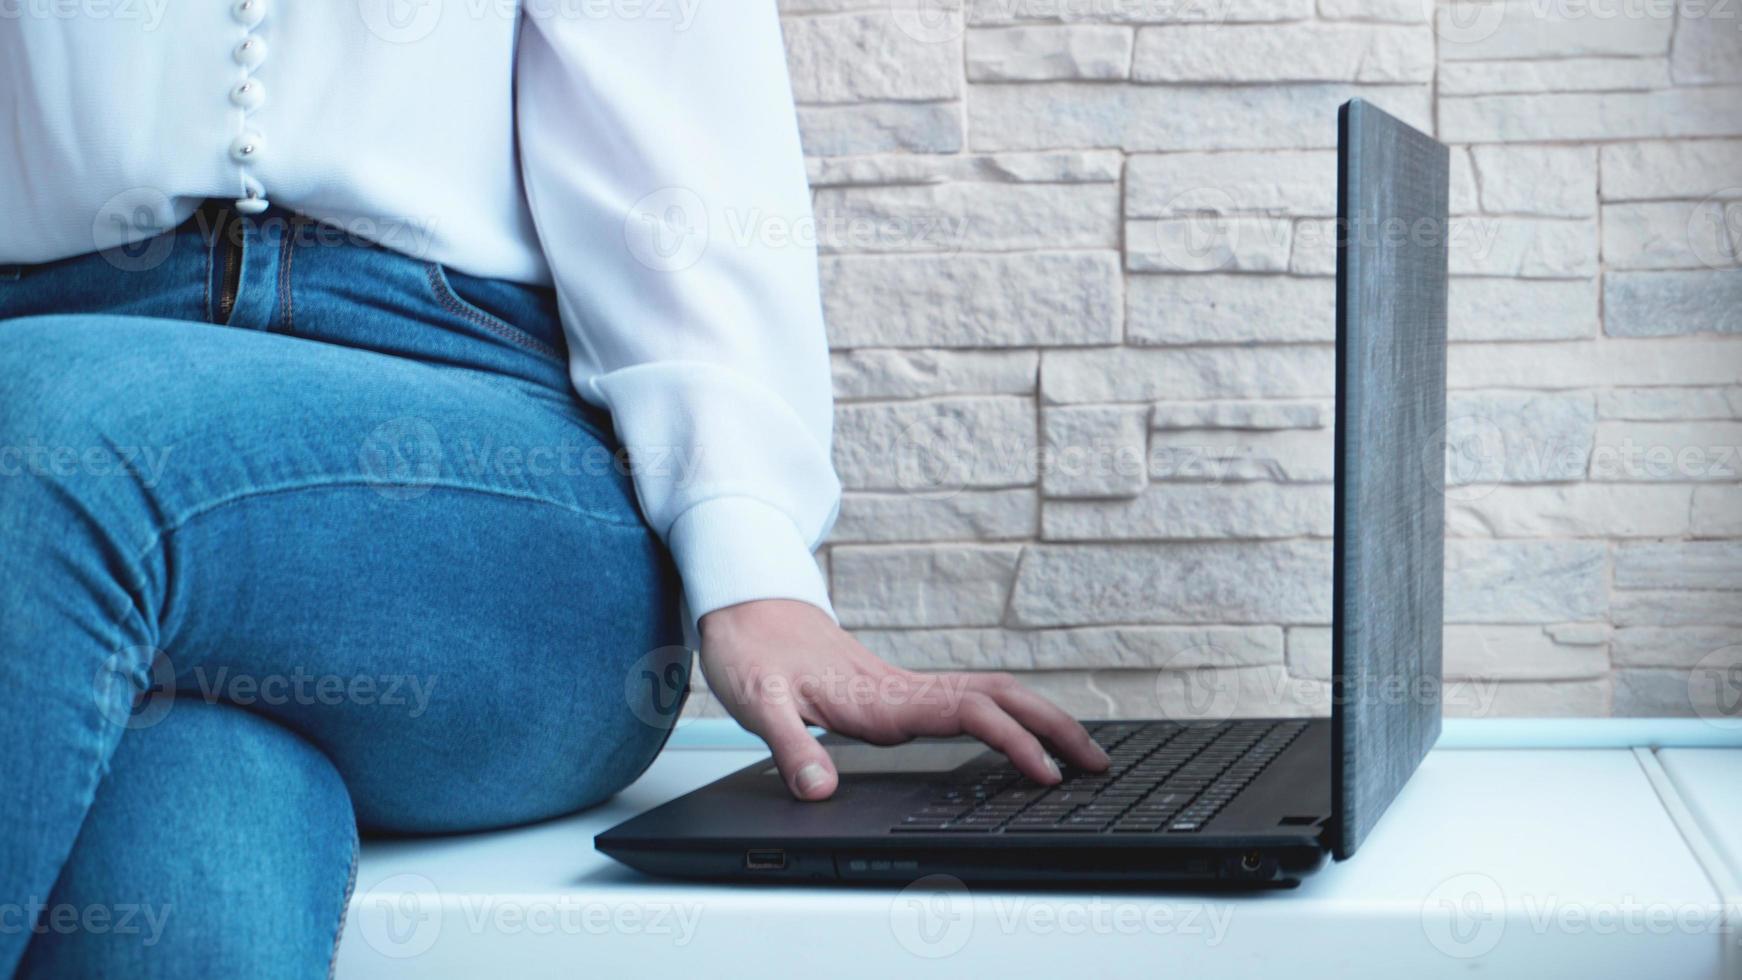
[1165,778]
[941,812]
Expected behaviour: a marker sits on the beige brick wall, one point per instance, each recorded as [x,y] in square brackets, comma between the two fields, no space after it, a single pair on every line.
[1077,273]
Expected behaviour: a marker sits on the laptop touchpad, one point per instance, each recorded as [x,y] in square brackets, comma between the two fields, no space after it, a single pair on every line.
[920,756]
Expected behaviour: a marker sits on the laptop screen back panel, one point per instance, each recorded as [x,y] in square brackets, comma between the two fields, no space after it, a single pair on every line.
[1390,433]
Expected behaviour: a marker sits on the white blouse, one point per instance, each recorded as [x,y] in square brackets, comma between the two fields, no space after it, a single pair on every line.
[640,155]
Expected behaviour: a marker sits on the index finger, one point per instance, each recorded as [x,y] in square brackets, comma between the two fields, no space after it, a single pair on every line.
[1065,734]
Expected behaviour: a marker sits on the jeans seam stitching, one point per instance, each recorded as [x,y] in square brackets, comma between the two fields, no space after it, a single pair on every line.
[444,294]
[344,908]
[209,507]
[285,258]
[171,528]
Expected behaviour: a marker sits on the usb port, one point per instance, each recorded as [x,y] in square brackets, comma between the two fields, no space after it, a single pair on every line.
[765,859]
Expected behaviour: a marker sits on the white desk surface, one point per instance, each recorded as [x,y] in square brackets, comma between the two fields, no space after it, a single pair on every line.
[1495,862]
[1710,782]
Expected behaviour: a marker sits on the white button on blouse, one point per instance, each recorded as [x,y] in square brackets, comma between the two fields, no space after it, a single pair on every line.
[249,13]
[253,199]
[642,166]
[248,95]
[244,148]
[250,52]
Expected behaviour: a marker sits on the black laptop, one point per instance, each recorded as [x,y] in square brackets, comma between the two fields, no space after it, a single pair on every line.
[1248,801]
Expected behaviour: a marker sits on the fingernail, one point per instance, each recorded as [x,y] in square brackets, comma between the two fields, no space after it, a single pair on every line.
[1053,767]
[811,776]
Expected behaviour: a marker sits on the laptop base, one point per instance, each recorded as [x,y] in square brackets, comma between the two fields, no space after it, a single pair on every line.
[746,827]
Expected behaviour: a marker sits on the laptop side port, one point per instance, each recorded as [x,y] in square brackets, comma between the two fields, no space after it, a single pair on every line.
[765,859]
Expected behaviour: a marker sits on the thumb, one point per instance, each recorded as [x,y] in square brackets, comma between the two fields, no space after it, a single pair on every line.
[807,769]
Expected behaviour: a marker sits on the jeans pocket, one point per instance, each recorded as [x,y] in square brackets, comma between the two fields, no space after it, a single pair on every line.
[441,285]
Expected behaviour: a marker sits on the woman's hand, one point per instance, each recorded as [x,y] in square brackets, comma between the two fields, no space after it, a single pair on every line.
[779,665]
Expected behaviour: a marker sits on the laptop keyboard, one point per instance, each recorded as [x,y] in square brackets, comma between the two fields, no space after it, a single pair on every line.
[1165,777]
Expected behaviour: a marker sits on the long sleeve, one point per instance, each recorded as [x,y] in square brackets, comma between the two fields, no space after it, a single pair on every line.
[662,166]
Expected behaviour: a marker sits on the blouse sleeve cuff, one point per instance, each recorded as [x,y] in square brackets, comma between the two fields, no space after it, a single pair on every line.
[737,549]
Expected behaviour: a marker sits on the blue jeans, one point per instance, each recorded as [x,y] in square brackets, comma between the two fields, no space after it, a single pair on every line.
[297,535]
